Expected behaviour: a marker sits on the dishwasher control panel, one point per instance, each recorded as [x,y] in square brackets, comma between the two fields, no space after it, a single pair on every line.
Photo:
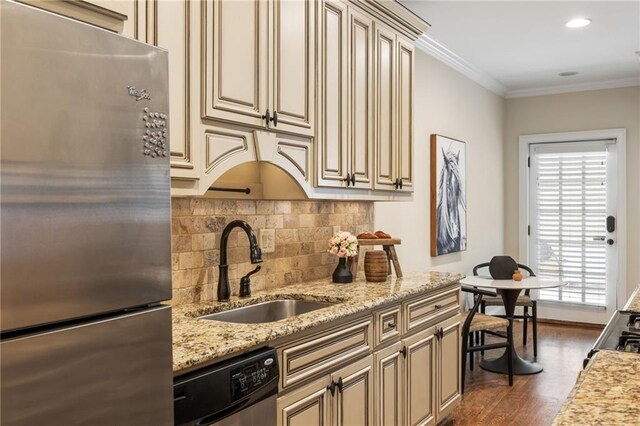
[248,377]
[213,393]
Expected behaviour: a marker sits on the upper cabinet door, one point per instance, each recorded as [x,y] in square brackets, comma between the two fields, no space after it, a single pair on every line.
[404,113]
[169,27]
[361,98]
[235,61]
[385,92]
[331,137]
[293,65]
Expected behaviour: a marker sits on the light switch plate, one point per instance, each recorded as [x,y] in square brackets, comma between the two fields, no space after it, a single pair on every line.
[336,229]
[267,240]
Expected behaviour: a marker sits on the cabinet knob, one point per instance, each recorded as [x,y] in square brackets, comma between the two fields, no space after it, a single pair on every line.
[332,387]
[339,384]
[390,324]
[403,351]
[353,179]
[400,182]
[267,116]
[348,179]
[275,118]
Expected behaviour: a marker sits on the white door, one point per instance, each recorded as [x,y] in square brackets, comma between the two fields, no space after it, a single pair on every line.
[573,192]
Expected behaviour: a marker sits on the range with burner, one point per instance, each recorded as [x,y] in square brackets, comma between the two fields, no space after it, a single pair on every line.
[622,333]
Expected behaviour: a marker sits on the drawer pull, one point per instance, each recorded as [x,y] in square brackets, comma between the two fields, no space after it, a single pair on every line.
[339,384]
[389,325]
[437,307]
[403,351]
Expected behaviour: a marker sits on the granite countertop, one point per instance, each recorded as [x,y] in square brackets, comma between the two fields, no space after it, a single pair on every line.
[633,304]
[198,342]
[606,392]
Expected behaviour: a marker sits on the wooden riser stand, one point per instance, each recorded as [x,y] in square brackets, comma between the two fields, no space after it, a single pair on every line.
[388,245]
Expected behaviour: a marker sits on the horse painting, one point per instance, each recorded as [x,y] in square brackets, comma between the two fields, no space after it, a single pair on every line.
[450,209]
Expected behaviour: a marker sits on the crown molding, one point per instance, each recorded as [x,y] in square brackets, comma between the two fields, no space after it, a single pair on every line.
[439,51]
[576,87]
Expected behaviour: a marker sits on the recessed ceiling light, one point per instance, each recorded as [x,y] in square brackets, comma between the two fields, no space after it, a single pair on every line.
[568,73]
[578,23]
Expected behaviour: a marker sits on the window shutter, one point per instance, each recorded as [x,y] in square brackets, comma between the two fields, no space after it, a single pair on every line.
[570,217]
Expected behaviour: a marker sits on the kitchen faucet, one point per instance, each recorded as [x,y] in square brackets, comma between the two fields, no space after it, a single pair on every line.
[224,290]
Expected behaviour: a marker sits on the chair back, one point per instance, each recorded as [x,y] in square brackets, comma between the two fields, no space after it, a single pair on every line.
[502,268]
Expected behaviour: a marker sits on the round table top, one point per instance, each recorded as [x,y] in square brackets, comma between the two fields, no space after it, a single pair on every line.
[528,283]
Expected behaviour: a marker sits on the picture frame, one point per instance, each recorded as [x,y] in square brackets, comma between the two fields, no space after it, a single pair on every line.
[448,195]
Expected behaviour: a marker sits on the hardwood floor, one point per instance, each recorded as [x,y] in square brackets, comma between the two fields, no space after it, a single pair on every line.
[535,399]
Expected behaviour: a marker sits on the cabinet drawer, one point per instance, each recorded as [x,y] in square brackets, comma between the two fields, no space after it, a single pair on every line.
[419,312]
[387,324]
[315,354]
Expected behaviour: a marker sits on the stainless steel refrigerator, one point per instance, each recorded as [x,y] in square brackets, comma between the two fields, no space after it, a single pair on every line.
[84,223]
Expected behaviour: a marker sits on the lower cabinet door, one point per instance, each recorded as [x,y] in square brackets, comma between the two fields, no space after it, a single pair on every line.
[353,399]
[420,378]
[307,406]
[448,368]
[389,385]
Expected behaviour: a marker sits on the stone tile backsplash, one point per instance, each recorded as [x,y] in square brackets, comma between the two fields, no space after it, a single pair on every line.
[302,229]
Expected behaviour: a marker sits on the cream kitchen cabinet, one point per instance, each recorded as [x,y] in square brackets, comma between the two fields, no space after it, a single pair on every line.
[259,64]
[447,372]
[394,75]
[329,78]
[397,365]
[345,110]
[344,397]
[121,16]
[171,25]
[404,114]
[417,380]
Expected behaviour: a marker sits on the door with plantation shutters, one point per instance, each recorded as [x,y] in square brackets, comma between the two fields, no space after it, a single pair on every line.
[572,189]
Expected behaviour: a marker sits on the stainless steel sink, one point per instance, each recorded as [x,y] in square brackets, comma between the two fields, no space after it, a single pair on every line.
[273,310]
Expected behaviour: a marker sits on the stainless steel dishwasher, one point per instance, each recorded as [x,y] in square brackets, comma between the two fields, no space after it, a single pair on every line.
[239,391]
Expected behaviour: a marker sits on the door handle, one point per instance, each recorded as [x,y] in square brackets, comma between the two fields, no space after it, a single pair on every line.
[601,238]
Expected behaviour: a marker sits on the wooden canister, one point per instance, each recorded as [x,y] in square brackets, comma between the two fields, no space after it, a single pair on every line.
[376,266]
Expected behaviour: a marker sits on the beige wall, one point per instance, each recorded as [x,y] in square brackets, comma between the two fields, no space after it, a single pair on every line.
[450,104]
[592,110]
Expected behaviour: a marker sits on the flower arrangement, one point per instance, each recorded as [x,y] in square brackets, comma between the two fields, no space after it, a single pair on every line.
[343,244]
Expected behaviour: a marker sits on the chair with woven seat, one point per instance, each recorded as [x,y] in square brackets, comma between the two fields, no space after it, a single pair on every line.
[501,268]
[478,322]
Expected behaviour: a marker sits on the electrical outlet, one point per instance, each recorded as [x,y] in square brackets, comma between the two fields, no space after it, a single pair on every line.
[267,239]
[336,229]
